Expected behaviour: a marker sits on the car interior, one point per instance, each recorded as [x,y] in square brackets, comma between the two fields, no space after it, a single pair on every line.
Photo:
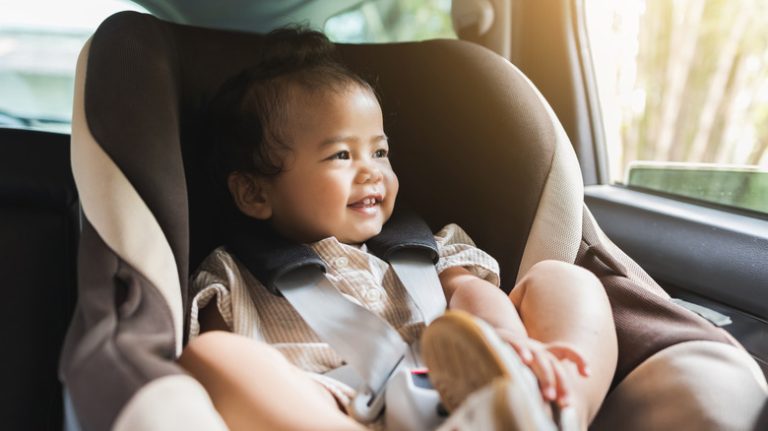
[107,223]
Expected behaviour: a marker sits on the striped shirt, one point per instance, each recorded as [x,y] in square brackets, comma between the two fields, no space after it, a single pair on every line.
[359,275]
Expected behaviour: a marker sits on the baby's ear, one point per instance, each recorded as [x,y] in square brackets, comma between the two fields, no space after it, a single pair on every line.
[250,195]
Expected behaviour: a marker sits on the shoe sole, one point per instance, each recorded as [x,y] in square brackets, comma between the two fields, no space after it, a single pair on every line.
[460,358]
[464,355]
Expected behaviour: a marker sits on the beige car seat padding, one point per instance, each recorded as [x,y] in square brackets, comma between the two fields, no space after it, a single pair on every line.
[117,212]
[556,230]
[696,386]
[167,403]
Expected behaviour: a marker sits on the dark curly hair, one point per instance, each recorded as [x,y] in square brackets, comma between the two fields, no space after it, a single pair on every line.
[247,116]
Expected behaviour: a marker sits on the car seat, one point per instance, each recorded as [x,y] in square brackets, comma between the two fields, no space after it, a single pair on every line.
[474,143]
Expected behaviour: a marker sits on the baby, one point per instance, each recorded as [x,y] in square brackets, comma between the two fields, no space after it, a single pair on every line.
[300,145]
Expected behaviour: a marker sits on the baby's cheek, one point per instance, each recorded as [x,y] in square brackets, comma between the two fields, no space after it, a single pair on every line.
[393,185]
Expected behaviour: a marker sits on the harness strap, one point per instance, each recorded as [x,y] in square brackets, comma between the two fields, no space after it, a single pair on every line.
[366,341]
[406,242]
[417,273]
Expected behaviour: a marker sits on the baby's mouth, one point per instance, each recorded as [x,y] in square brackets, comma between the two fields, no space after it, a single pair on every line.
[366,202]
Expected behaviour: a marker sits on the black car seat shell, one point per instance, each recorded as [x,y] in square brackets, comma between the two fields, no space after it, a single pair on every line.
[474,143]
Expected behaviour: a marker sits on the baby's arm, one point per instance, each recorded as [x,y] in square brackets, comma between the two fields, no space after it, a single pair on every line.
[465,291]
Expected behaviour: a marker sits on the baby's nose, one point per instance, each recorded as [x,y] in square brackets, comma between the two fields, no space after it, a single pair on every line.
[369,174]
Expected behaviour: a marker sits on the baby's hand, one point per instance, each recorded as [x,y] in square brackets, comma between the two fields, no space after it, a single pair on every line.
[546,362]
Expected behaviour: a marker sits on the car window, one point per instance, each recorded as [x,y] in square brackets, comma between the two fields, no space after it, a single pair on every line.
[39,44]
[684,94]
[392,21]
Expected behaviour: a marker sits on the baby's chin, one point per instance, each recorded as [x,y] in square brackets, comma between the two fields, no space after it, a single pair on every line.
[360,237]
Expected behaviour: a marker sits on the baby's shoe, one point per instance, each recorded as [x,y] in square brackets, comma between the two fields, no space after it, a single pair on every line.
[497,406]
[465,356]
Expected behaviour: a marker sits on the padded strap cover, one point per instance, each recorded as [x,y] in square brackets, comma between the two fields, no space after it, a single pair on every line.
[270,256]
[404,230]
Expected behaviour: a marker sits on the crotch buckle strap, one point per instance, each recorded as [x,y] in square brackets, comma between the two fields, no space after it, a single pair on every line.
[369,402]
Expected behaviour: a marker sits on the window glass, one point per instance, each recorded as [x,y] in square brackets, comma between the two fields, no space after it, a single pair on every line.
[684,95]
[39,44]
[392,21]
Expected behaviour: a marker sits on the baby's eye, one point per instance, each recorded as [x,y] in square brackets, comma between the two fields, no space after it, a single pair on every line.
[341,155]
[381,153]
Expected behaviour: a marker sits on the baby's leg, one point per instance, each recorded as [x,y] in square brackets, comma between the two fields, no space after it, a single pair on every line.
[254,387]
[564,303]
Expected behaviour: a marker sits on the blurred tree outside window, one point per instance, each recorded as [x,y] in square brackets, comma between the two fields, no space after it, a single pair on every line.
[683,88]
[383,21]
[39,44]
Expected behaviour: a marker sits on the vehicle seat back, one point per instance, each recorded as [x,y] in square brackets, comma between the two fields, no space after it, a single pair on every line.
[39,227]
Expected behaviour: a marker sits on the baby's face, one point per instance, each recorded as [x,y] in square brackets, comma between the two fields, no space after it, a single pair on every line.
[337,179]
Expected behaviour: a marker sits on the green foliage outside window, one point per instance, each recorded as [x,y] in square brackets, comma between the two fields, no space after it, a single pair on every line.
[685,81]
[745,188]
[383,21]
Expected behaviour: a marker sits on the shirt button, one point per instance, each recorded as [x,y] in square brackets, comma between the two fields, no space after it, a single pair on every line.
[372,295]
[341,262]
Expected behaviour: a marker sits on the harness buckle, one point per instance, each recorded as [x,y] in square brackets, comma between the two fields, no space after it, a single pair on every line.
[368,403]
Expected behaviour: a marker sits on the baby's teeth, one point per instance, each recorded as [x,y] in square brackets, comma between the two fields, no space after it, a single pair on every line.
[368,201]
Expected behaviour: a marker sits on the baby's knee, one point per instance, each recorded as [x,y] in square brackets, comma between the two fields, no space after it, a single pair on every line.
[565,277]
[202,347]
[209,341]
[219,346]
